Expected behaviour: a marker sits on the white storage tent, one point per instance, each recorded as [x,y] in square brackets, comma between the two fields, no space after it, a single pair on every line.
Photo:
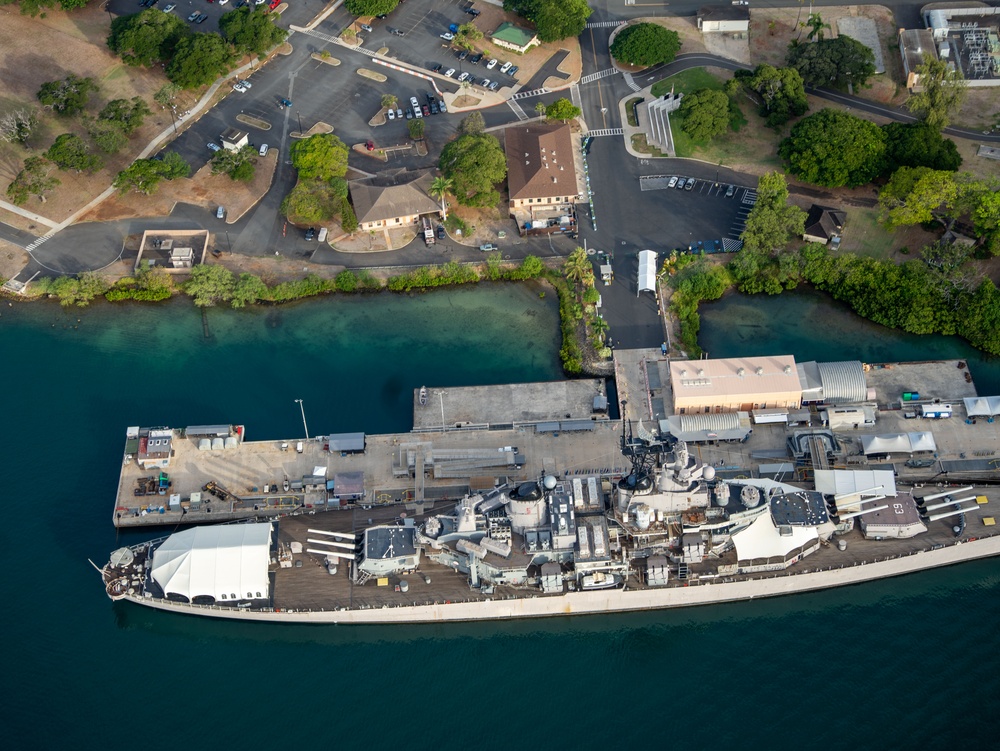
[898,443]
[647,271]
[762,540]
[225,562]
[857,481]
[982,406]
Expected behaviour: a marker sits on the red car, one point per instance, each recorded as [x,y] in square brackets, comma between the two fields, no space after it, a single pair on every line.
[369,145]
[274,4]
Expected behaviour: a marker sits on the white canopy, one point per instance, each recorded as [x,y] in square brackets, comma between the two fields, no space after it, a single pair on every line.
[762,539]
[226,562]
[647,271]
[898,443]
[842,481]
[982,406]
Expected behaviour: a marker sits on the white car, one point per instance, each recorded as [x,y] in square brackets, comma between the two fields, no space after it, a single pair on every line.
[223,2]
[447,36]
[449,73]
[169,8]
[414,103]
[399,113]
[463,76]
[505,67]
[486,83]
[672,183]
[263,149]
[212,146]
[258,2]
[392,113]
[491,64]
[240,88]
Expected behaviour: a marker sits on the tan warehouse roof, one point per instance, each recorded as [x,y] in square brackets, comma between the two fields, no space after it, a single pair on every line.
[735,375]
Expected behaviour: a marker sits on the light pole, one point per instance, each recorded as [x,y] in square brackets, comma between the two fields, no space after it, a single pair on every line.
[303,410]
[299,116]
[440,395]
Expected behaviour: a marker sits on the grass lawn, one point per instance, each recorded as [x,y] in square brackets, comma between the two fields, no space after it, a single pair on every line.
[866,236]
[688,81]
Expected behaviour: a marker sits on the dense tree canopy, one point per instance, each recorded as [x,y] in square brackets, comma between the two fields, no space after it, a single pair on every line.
[371,7]
[833,62]
[914,194]
[199,60]
[146,38]
[32,180]
[126,114]
[562,109]
[70,152]
[312,201]
[35,7]
[942,92]
[780,91]
[553,19]
[772,221]
[475,163]
[472,123]
[16,126]
[645,44]
[918,145]
[321,157]
[706,114]
[68,96]
[251,30]
[834,149]
[107,135]
[144,175]
[240,165]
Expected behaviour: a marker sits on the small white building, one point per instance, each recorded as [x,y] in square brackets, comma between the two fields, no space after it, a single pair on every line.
[724,19]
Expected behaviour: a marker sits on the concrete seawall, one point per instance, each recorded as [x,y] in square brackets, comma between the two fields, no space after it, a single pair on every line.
[608,601]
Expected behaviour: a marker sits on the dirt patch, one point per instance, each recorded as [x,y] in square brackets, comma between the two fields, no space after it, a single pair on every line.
[12,260]
[729,46]
[466,101]
[981,167]
[328,60]
[365,73]
[254,122]
[980,110]
[202,189]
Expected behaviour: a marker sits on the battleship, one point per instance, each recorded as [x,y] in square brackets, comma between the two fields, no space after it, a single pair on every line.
[680,518]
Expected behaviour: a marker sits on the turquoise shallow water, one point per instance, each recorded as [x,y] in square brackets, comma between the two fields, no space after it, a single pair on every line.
[873,666]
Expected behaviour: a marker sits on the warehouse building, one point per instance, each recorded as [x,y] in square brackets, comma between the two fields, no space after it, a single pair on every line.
[736,384]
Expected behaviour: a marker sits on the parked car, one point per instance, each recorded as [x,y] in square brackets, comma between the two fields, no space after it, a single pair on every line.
[491,64]
[672,183]
[477,58]
[690,184]
[169,8]
[220,212]
[453,28]
[472,12]
[488,248]
[263,149]
[680,183]
[440,232]
[426,110]
[214,146]
[202,18]
[471,80]
[311,234]
[436,68]
[245,84]
[399,113]
[486,83]
[494,85]
[430,97]
[434,108]
[240,88]
[370,145]
[286,103]
[463,76]
[506,66]
[409,113]
[193,16]
[382,16]
[391,113]
[450,72]
[447,36]
[414,103]
[417,112]
[366,27]
[396,32]
[442,107]
[512,71]
[463,54]
[730,191]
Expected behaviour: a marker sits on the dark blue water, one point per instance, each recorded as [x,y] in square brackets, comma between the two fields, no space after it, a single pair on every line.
[880,666]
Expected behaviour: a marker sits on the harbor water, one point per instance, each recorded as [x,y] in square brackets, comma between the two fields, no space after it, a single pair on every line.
[862,667]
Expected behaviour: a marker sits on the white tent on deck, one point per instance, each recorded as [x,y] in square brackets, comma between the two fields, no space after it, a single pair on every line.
[226,562]
[647,271]
[762,540]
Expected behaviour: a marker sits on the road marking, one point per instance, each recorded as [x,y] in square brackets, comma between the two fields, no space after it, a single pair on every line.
[605,132]
[533,92]
[517,109]
[574,95]
[630,82]
[599,75]
[605,24]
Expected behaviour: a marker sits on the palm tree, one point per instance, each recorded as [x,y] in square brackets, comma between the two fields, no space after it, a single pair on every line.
[600,327]
[577,267]
[388,101]
[440,188]
[816,26]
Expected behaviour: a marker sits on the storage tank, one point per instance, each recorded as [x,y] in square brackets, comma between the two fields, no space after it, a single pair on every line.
[527,513]
[750,496]
[642,516]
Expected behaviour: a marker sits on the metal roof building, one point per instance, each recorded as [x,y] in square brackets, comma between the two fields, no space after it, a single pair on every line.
[721,426]
[735,384]
[833,382]
[860,482]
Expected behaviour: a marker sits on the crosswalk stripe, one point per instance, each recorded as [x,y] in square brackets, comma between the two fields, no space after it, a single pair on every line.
[601,74]
[517,109]
[527,94]
[606,132]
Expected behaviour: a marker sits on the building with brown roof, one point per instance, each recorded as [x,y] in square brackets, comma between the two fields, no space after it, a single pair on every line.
[540,169]
[823,224]
[394,198]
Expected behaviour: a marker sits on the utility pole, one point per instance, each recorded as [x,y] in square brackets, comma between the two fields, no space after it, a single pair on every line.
[299,116]
[303,410]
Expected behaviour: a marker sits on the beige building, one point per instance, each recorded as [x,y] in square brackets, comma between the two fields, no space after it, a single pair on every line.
[394,198]
[732,19]
[540,171]
[735,384]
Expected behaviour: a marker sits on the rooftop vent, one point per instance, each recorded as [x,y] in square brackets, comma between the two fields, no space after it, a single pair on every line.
[788,370]
[741,372]
[759,371]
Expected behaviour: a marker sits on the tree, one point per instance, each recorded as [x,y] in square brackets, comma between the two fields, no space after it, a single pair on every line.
[578,269]
[834,149]
[918,145]
[107,135]
[840,62]
[320,156]
[32,180]
[70,152]
[34,7]
[17,126]
[706,114]
[471,124]
[467,36]
[942,92]
[416,128]
[68,96]
[559,19]
[167,94]
[781,91]
[772,221]
[199,60]
[247,290]
[146,38]
[540,108]
[474,164]
[348,220]
[816,26]
[440,187]
[389,101]
[251,29]
[144,175]
[210,284]
[127,114]
[311,201]
[371,7]
[645,44]
[240,165]
[915,195]
[562,109]
[80,290]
